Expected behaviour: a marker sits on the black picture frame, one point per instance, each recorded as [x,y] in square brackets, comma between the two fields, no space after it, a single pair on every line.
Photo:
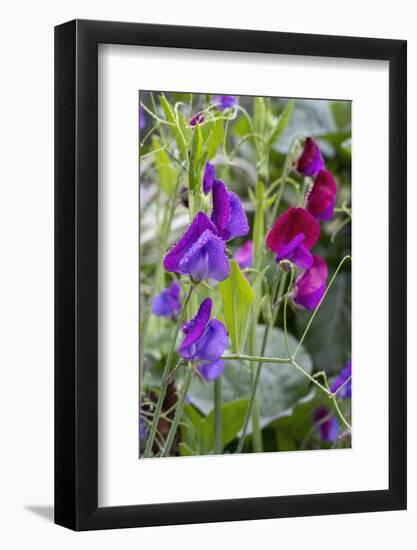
[76,272]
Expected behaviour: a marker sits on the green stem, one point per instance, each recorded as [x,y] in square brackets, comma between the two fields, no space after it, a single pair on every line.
[277,290]
[340,414]
[333,398]
[254,385]
[165,374]
[178,413]
[257,433]
[287,343]
[258,358]
[218,421]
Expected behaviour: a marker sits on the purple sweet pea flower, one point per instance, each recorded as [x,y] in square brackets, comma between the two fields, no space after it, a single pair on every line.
[310,161]
[196,119]
[224,101]
[143,429]
[228,215]
[208,178]
[346,391]
[205,342]
[292,236]
[326,424]
[167,303]
[200,253]
[322,196]
[244,255]
[142,117]
[310,286]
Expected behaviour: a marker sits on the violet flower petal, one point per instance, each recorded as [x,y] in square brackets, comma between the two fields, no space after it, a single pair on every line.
[167,303]
[195,328]
[142,117]
[211,371]
[208,178]
[346,391]
[221,213]
[310,286]
[224,101]
[310,161]
[211,345]
[329,428]
[322,196]
[206,259]
[238,225]
[228,214]
[197,227]
[244,255]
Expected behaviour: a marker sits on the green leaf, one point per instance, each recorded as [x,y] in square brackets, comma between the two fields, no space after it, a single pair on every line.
[237,297]
[280,385]
[282,122]
[255,309]
[329,337]
[212,132]
[233,415]
[167,175]
[196,157]
[192,429]
[175,126]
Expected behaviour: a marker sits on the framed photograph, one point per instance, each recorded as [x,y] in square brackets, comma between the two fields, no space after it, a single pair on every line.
[230,245]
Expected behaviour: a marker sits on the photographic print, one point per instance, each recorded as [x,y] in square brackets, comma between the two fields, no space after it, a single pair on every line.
[245,274]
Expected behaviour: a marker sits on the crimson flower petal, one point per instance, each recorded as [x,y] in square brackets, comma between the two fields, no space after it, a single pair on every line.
[322,196]
[310,161]
[292,236]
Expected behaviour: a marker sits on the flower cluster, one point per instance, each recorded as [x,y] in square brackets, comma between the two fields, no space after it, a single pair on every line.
[205,341]
[201,254]
[201,251]
[297,230]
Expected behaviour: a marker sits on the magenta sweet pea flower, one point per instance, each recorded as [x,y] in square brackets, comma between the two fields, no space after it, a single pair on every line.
[310,161]
[322,196]
[205,342]
[167,303]
[196,119]
[346,391]
[208,178]
[292,236]
[200,253]
[244,255]
[228,215]
[224,101]
[326,424]
[310,286]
